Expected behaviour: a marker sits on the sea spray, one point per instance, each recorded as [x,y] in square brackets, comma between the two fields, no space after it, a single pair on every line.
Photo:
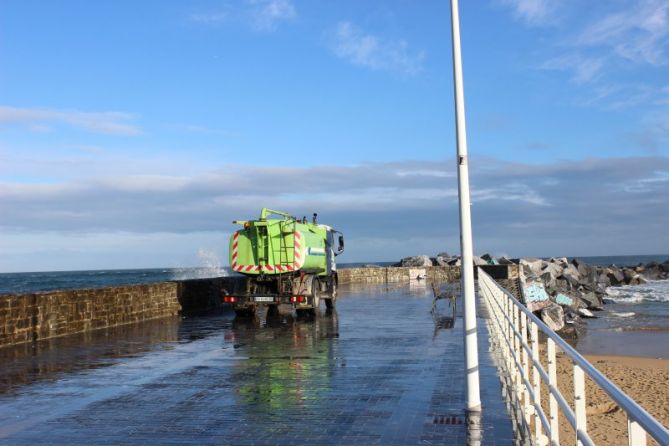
[210,266]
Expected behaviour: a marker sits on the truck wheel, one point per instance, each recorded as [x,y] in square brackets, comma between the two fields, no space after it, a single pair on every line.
[316,294]
[330,303]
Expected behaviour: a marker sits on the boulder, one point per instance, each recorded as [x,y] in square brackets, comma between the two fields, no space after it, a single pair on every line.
[571,270]
[441,261]
[593,301]
[548,279]
[488,258]
[553,269]
[534,265]
[456,262]
[553,316]
[616,277]
[574,326]
[504,261]
[444,254]
[629,274]
[571,279]
[603,280]
[563,299]
[416,261]
[478,261]
[584,312]
[665,266]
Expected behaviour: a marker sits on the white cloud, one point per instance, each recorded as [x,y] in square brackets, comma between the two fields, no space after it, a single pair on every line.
[640,33]
[111,123]
[533,12]
[259,15]
[583,69]
[267,14]
[368,50]
[573,207]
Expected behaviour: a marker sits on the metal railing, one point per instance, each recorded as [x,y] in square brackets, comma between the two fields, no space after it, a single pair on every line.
[515,332]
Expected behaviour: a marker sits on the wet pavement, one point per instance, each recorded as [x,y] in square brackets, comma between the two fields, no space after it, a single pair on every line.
[379,370]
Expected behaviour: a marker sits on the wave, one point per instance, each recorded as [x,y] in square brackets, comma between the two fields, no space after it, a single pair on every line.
[623,314]
[653,291]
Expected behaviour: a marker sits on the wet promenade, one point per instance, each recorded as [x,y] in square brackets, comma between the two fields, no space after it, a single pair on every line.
[376,371]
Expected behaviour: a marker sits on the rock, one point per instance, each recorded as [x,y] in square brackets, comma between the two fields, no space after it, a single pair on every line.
[616,277]
[487,257]
[603,280]
[571,279]
[563,299]
[553,316]
[665,266]
[534,265]
[441,261]
[478,261]
[548,279]
[444,254]
[574,326]
[456,262]
[586,313]
[553,269]
[571,270]
[416,261]
[629,274]
[504,261]
[593,301]
[538,305]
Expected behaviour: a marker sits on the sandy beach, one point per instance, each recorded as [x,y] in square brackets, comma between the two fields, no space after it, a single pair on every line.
[646,380]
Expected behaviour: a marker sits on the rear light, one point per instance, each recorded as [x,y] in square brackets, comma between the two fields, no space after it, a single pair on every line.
[229,299]
[294,299]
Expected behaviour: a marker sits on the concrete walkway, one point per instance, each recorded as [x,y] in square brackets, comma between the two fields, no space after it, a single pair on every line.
[376,371]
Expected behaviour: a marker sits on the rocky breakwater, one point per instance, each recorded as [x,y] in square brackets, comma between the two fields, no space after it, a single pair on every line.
[565,292]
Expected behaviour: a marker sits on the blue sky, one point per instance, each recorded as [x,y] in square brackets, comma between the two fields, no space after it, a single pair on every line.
[132,133]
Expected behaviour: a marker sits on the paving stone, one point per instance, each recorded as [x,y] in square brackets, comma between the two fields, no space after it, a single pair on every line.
[374,372]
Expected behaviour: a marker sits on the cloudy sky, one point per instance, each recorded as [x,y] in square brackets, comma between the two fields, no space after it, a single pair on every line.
[133,133]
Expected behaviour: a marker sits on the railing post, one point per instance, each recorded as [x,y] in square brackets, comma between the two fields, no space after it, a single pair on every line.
[534,332]
[635,433]
[527,404]
[579,401]
[552,381]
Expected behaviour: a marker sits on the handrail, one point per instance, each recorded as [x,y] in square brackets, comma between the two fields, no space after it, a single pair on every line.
[511,329]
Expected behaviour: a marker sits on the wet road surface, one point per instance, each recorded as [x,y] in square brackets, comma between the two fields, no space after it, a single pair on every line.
[376,371]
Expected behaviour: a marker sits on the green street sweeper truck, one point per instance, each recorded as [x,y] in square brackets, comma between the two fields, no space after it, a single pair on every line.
[286,260]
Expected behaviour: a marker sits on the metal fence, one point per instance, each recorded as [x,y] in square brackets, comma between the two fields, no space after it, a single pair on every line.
[515,332]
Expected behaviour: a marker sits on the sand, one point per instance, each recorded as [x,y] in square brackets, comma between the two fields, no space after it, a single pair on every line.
[646,380]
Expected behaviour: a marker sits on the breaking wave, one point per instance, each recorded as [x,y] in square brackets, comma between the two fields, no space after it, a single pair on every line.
[211,267]
[654,291]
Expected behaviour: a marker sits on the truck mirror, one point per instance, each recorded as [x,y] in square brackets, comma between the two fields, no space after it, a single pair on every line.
[341,243]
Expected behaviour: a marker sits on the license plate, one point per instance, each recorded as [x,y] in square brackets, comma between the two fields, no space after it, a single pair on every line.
[264,299]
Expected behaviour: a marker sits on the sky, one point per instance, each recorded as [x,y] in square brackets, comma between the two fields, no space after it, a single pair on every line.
[133,133]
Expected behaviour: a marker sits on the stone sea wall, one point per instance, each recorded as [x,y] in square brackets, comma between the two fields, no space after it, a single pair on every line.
[37,316]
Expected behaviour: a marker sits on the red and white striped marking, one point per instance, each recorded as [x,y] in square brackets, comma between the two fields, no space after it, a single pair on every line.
[296,265]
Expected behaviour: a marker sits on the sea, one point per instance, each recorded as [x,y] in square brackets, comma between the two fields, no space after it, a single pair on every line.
[635,320]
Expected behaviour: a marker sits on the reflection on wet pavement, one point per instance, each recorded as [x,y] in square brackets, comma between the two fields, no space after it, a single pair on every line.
[376,371]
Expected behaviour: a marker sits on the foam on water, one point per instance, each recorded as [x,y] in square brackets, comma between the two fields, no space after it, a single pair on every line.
[653,291]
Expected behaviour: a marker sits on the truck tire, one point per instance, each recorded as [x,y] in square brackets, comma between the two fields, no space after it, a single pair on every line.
[332,295]
[316,293]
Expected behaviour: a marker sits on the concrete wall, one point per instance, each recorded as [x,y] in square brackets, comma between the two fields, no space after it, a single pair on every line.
[37,316]
[31,317]
[433,273]
[396,274]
